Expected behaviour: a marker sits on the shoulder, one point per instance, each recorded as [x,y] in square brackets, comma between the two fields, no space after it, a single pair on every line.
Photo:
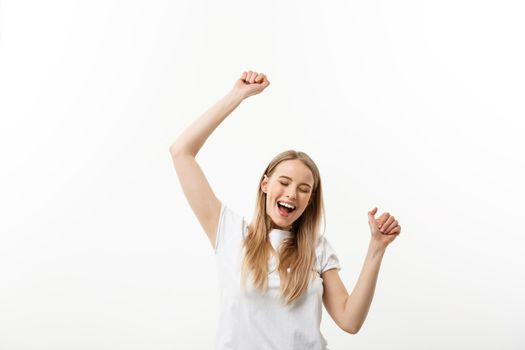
[326,255]
[232,226]
[322,245]
[230,218]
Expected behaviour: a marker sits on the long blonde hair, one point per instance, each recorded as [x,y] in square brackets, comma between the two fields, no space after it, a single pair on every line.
[296,252]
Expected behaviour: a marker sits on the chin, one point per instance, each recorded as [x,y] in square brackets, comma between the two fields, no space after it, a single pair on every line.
[279,223]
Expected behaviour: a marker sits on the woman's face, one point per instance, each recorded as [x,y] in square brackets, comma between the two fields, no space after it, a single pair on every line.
[291,182]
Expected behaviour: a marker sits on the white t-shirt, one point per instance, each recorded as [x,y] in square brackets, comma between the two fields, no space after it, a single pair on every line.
[250,320]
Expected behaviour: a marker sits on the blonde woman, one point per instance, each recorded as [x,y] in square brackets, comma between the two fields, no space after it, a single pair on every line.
[277,271]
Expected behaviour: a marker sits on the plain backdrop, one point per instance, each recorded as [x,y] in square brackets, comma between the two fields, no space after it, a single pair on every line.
[415,107]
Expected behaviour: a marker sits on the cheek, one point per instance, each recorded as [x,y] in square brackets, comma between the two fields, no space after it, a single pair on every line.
[273,193]
[270,199]
[308,200]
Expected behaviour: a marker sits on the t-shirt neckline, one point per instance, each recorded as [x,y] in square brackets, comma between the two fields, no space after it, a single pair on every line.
[279,232]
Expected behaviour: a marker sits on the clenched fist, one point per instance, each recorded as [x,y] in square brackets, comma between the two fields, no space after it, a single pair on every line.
[385,229]
[250,83]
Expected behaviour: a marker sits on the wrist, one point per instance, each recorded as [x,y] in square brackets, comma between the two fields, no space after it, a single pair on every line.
[375,248]
[235,95]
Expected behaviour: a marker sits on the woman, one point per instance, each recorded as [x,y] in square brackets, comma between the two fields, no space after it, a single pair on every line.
[293,270]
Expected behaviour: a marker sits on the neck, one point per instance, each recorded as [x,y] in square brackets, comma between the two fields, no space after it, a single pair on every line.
[289,228]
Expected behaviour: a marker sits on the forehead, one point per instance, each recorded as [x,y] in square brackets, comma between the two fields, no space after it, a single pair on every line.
[296,170]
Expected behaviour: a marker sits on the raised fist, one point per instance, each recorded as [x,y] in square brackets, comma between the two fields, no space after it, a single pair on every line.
[251,83]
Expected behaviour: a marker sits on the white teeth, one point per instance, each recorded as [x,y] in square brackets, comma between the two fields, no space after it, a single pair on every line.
[286,205]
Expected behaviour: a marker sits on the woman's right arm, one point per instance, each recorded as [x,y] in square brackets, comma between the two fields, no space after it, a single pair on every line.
[195,186]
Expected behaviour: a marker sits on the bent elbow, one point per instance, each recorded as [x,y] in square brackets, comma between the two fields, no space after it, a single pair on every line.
[351,330]
[173,149]
[176,151]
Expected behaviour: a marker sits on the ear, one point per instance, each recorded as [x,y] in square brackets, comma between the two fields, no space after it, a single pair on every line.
[264,184]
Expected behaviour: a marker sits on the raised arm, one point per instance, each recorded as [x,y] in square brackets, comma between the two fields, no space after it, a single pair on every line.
[350,311]
[195,186]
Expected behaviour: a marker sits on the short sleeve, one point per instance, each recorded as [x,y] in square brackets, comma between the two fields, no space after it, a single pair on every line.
[230,229]
[327,257]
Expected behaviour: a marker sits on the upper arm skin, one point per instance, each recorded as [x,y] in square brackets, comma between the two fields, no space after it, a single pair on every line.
[198,192]
[335,296]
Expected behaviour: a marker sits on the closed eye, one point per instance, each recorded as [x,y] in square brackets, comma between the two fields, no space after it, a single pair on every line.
[302,190]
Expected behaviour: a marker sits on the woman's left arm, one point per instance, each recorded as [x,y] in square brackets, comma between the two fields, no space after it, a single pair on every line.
[350,311]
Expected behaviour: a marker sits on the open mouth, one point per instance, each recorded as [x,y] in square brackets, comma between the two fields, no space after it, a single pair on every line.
[285,209]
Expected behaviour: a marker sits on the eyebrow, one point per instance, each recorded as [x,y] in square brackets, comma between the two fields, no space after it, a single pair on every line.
[304,183]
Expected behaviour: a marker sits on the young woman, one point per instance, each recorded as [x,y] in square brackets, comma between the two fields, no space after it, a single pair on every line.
[292,269]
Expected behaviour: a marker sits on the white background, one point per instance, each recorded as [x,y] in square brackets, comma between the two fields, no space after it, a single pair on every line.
[412,106]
